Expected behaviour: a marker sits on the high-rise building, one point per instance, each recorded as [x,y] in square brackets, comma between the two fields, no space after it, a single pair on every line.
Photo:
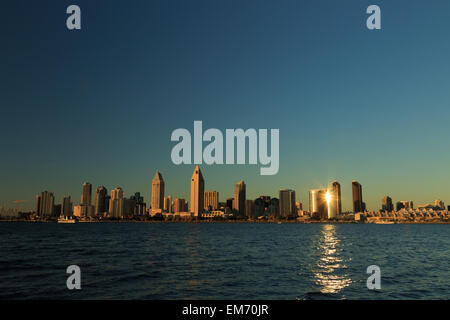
[116,203]
[386,204]
[45,204]
[211,200]
[168,205]
[258,207]
[287,203]
[249,212]
[180,205]
[358,205]
[230,202]
[197,192]
[318,205]
[157,192]
[273,209]
[140,206]
[86,194]
[239,199]
[66,206]
[335,193]
[100,201]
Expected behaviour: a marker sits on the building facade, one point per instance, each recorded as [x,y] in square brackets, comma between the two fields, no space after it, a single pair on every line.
[197,192]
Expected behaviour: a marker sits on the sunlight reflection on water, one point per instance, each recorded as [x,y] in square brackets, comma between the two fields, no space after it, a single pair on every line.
[328,274]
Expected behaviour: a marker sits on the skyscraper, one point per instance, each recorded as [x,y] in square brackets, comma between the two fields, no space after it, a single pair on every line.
[258,207]
[386,204]
[249,212]
[66,206]
[211,200]
[318,205]
[46,202]
[86,194]
[287,203]
[168,204]
[273,209]
[358,205]
[239,199]
[180,205]
[336,197]
[116,203]
[197,192]
[100,200]
[157,192]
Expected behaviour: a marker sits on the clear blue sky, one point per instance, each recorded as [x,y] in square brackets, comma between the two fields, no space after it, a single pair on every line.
[99,104]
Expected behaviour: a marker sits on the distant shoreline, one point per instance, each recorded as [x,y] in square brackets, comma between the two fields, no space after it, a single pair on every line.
[390,222]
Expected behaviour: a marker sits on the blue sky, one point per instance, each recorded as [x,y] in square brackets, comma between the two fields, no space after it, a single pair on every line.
[100,104]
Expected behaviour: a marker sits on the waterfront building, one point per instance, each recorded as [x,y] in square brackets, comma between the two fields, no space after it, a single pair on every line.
[318,206]
[45,204]
[100,201]
[230,202]
[239,199]
[66,206]
[211,200]
[287,203]
[258,207]
[197,192]
[83,210]
[358,205]
[180,205]
[249,212]
[86,194]
[336,199]
[386,204]
[157,202]
[273,210]
[116,203]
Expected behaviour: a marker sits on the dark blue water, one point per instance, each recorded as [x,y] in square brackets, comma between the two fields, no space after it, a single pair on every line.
[223,261]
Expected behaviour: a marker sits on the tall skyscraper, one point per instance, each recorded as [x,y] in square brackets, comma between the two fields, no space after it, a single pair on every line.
[116,203]
[157,192]
[239,199]
[100,201]
[318,205]
[45,203]
[287,203]
[211,200]
[66,206]
[358,205]
[197,192]
[386,204]
[86,194]
[336,197]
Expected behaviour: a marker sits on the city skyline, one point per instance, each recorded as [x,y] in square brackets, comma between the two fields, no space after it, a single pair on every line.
[330,196]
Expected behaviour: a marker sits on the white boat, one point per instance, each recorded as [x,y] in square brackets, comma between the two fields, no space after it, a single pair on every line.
[384,222]
[66,220]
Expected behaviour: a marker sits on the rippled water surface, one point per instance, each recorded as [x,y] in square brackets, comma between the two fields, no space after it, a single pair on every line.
[223,261]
